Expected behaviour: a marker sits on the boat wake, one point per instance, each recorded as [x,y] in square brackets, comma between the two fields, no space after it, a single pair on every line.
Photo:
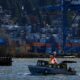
[26,74]
[23,74]
[78,74]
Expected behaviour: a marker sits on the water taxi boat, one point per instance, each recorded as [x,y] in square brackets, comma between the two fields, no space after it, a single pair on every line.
[43,67]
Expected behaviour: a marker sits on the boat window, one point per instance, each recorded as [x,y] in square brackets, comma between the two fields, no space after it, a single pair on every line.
[42,63]
[39,63]
[54,66]
[58,66]
[50,66]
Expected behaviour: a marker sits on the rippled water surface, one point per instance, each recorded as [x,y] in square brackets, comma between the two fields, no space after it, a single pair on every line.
[19,71]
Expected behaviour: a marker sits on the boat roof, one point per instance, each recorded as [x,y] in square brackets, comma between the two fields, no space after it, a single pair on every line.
[68,61]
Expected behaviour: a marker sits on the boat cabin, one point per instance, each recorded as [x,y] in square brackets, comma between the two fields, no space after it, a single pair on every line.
[44,63]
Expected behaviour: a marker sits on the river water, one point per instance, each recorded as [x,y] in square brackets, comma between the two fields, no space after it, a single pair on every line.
[19,71]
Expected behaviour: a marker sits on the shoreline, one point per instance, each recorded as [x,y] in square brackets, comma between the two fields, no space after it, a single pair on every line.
[43,55]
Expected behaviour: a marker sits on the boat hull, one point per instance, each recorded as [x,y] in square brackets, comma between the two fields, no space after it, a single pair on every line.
[36,70]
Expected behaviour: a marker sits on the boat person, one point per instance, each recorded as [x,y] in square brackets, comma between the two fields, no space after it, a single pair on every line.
[53,60]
